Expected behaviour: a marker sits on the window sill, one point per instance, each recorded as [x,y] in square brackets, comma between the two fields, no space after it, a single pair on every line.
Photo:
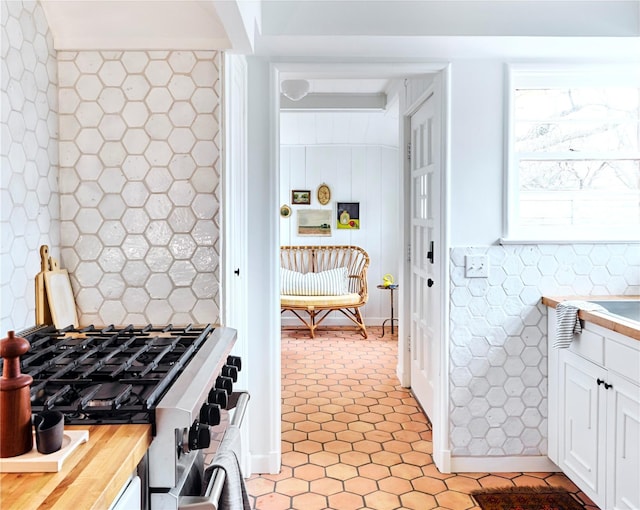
[511,240]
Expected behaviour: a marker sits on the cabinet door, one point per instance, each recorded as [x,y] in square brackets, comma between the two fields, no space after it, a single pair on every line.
[623,466]
[582,424]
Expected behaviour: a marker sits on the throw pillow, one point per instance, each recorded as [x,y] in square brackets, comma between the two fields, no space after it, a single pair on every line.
[325,283]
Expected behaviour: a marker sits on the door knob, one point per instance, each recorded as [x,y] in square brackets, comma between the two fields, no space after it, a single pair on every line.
[237,272]
[430,282]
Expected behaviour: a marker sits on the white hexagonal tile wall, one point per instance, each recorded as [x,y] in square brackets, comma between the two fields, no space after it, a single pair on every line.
[159,100]
[135,87]
[112,127]
[159,286]
[134,61]
[513,323]
[89,114]
[112,285]
[182,61]
[30,152]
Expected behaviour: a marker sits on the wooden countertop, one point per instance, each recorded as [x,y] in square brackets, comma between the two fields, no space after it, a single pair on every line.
[614,323]
[90,478]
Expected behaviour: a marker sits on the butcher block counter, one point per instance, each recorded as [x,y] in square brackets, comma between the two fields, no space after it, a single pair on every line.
[90,478]
[615,323]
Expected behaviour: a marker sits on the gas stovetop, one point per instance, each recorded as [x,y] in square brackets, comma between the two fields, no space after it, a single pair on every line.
[110,375]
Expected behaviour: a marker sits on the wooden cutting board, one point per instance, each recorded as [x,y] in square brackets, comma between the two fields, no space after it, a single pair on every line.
[43,314]
[60,296]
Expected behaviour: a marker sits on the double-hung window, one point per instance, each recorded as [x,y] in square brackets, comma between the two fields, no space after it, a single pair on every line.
[573,154]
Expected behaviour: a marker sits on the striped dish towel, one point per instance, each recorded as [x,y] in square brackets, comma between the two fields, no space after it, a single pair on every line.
[567,320]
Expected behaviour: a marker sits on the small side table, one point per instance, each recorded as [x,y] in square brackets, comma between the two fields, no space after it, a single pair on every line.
[391,319]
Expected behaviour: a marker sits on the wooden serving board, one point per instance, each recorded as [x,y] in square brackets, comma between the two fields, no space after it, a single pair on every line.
[36,462]
[60,296]
[43,313]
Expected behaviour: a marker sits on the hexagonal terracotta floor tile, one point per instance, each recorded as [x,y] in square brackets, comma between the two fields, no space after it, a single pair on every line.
[326,486]
[308,472]
[360,485]
[292,486]
[346,501]
[310,501]
[380,500]
[395,485]
[353,439]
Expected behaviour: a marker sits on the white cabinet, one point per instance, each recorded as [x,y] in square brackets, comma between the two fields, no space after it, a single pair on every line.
[594,414]
[582,422]
[623,444]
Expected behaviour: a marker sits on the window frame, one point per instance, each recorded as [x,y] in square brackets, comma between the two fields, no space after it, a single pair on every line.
[534,76]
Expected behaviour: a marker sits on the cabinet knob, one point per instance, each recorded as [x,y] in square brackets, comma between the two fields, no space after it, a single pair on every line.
[606,384]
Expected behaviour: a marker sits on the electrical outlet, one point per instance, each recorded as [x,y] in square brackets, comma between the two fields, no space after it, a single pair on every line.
[476,266]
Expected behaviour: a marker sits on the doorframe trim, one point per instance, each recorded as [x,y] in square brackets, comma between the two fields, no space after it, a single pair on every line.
[233,152]
[390,69]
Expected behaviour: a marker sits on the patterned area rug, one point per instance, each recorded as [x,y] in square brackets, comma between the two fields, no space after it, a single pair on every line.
[526,498]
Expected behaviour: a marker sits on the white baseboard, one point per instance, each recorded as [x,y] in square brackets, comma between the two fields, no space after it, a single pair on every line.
[266,464]
[537,464]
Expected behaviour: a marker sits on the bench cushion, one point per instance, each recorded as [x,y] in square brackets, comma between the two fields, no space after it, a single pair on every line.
[320,301]
[324,283]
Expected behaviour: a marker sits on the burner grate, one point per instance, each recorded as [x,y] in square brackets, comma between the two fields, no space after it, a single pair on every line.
[107,375]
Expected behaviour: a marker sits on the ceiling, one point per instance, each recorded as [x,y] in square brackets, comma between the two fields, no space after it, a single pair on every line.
[354,30]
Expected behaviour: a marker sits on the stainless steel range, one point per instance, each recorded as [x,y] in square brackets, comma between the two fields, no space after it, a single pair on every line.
[178,379]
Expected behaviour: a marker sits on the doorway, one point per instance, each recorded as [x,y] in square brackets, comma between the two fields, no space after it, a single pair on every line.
[411,93]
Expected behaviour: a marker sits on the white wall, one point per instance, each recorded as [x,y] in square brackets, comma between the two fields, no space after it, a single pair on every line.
[477,134]
[356,155]
[498,339]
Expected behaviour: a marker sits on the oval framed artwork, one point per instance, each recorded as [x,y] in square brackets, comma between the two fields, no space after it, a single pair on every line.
[324,194]
[285,211]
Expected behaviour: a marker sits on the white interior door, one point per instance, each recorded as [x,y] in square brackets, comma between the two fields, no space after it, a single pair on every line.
[426,239]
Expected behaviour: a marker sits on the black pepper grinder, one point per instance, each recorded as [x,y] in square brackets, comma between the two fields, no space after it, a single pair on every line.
[16,435]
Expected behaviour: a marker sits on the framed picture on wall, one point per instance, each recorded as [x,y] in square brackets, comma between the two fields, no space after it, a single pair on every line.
[301,197]
[285,211]
[348,215]
[314,222]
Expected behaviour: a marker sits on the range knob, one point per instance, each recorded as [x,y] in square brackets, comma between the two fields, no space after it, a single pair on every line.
[199,436]
[210,414]
[224,383]
[219,397]
[235,361]
[230,371]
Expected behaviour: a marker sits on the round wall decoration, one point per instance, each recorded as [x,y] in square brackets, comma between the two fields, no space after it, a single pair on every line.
[324,194]
[285,211]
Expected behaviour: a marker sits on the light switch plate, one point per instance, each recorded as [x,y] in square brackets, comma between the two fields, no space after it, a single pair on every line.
[476,266]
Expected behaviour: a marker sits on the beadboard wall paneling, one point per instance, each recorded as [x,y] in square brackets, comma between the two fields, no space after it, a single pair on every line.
[356,155]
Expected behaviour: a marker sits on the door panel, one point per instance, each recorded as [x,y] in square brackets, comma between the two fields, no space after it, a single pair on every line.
[623,436]
[425,229]
[582,423]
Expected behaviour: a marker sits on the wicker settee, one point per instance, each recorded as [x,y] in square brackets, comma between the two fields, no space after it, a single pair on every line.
[313,309]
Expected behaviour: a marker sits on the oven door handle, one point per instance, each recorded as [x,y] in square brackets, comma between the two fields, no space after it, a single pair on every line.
[209,502]
[241,408]
[216,483]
